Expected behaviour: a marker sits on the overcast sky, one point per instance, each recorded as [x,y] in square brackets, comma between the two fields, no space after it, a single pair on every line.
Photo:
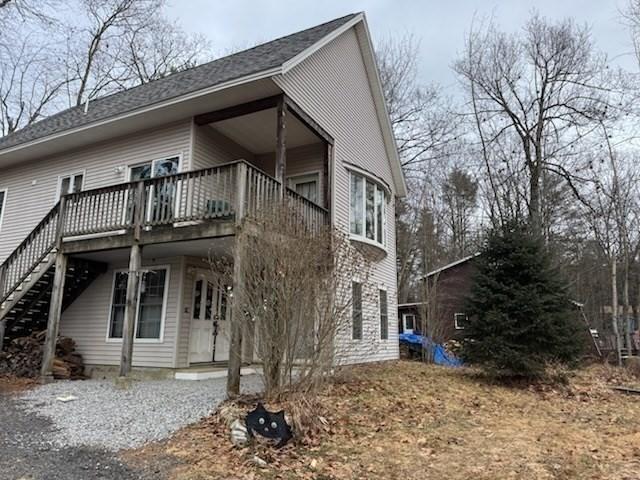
[440,25]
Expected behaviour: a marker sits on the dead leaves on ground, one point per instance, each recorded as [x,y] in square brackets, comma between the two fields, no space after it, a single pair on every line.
[413,421]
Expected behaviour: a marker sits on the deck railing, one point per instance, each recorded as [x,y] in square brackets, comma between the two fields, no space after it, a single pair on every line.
[225,192]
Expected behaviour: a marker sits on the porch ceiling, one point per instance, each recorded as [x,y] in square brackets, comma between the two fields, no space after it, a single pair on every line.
[257,131]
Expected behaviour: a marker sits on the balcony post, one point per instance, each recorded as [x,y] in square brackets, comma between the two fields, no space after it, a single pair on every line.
[60,221]
[130,309]
[139,211]
[53,323]
[241,192]
[281,145]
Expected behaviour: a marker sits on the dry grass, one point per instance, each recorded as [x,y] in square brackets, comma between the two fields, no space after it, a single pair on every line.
[412,421]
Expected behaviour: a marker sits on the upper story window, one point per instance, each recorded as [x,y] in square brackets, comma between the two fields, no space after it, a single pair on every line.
[3,200]
[368,209]
[70,184]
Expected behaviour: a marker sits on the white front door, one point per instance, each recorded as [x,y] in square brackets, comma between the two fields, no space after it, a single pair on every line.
[209,323]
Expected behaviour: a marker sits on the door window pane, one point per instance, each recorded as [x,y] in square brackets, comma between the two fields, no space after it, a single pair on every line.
[141,172]
[308,190]
[209,305]
[197,300]
[151,302]
[162,168]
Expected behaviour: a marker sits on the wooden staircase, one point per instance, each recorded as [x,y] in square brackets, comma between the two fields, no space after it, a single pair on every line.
[26,279]
[27,309]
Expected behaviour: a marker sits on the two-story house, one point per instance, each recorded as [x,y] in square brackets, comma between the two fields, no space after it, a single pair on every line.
[154,179]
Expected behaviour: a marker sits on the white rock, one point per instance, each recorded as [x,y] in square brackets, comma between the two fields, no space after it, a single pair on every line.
[239,434]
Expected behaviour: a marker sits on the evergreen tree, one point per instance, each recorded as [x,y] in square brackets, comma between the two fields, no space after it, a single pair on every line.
[520,317]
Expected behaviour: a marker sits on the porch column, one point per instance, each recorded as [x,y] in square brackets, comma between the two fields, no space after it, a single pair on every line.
[135,261]
[55,311]
[237,321]
[281,144]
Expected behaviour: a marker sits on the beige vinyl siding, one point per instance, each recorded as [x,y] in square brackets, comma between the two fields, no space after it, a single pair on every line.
[211,148]
[32,186]
[87,321]
[332,86]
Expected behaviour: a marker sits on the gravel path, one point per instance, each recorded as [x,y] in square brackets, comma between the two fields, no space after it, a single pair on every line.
[109,418]
[26,453]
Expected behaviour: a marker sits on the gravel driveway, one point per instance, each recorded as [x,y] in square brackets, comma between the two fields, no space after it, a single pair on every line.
[105,416]
[43,438]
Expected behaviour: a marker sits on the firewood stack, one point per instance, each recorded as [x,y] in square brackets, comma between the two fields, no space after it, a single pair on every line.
[23,358]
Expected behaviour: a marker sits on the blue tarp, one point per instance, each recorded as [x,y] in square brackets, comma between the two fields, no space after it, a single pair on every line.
[438,353]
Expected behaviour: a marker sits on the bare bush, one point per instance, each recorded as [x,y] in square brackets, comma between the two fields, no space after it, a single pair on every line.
[294,289]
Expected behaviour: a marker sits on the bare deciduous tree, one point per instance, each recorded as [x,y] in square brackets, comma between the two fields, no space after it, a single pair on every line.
[547,86]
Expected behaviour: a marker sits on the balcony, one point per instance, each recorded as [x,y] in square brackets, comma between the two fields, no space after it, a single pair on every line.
[200,204]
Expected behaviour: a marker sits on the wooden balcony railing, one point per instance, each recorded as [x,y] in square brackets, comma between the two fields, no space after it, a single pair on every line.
[226,192]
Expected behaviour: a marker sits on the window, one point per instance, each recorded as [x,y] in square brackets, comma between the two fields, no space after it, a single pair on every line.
[163,197]
[384,315]
[70,184]
[307,185]
[409,322]
[356,310]
[459,320]
[150,308]
[3,201]
[368,209]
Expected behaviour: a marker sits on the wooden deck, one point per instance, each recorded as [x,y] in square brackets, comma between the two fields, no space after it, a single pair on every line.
[198,204]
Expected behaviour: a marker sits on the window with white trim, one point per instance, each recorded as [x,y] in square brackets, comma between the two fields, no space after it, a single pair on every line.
[150,308]
[384,315]
[307,185]
[356,310]
[459,320]
[70,184]
[368,209]
[408,322]
[3,201]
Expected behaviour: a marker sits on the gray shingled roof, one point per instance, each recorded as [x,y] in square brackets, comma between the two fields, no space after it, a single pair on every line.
[257,59]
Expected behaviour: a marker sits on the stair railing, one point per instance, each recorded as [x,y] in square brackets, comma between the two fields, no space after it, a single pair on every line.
[30,253]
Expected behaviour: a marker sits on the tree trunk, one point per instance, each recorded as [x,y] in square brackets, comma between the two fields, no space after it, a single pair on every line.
[627,306]
[614,309]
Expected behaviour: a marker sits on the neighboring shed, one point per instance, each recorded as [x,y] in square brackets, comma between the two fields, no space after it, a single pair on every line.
[447,289]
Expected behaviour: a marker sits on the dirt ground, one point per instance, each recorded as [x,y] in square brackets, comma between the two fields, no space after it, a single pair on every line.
[413,421]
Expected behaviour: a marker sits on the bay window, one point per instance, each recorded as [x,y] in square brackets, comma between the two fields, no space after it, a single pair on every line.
[368,210]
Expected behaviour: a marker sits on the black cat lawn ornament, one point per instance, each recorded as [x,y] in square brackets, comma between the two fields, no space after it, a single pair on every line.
[269,425]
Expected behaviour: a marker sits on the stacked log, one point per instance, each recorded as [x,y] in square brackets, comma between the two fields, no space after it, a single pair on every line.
[22,357]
